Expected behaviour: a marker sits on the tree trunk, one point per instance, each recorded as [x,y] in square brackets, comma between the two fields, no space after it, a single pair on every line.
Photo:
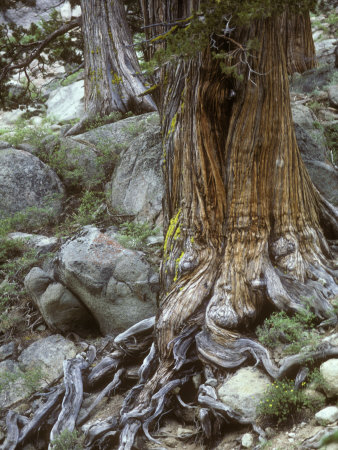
[242,217]
[113,80]
[298,42]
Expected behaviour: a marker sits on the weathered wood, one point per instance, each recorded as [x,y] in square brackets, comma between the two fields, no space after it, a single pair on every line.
[128,435]
[108,365]
[144,326]
[242,218]
[114,384]
[98,430]
[12,431]
[42,413]
[291,363]
[73,397]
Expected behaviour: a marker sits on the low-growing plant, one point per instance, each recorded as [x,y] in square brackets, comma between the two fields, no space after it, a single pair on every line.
[99,120]
[67,440]
[91,209]
[331,134]
[29,134]
[30,379]
[294,333]
[282,402]
[134,234]
[314,105]
[135,128]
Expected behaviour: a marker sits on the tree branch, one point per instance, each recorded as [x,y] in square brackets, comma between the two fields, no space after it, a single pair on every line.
[42,44]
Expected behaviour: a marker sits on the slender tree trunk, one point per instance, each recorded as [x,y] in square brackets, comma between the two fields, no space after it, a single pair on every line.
[113,80]
[298,42]
[243,219]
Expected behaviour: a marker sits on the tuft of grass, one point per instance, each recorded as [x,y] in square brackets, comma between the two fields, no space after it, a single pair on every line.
[67,440]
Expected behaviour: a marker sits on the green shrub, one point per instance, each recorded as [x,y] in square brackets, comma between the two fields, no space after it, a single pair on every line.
[99,120]
[30,379]
[67,440]
[282,402]
[331,134]
[134,234]
[91,209]
[291,332]
[33,135]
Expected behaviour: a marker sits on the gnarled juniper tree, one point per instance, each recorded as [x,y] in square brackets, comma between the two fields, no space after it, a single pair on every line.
[245,226]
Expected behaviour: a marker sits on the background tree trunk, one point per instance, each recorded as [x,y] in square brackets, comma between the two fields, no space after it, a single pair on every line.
[113,80]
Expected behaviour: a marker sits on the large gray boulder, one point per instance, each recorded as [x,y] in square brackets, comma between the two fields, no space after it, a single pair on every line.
[66,102]
[116,284]
[244,390]
[61,310]
[119,134]
[137,183]
[89,158]
[27,183]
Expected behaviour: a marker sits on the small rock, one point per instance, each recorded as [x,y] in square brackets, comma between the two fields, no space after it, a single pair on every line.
[6,350]
[247,440]
[37,121]
[329,371]
[41,328]
[327,415]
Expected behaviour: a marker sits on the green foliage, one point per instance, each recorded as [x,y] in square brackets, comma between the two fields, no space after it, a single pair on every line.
[17,43]
[134,234]
[191,35]
[30,379]
[28,134]
[291,332]
[331,134]
[91,209]
[99,120]
[67,440]
[282,402]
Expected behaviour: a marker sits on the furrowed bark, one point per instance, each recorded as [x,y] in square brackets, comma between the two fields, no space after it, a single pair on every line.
[113,80]
[298,42]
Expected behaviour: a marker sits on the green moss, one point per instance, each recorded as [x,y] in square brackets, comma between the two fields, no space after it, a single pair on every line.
[172,125]
[177,262]
[171,230]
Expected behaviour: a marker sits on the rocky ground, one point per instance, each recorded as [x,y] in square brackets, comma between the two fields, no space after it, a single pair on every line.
[80,248]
